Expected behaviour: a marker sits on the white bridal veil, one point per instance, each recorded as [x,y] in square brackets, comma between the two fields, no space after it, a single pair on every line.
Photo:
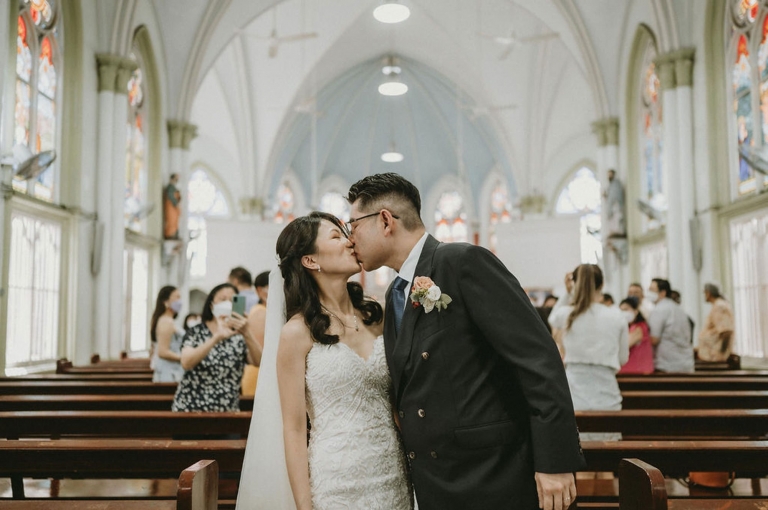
[264,481]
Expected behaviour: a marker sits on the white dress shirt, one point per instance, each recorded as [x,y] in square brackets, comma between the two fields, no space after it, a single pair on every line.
[408,269]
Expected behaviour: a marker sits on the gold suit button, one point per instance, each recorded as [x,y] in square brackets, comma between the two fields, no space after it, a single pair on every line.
[433,454]
[421,413]
[425,355]
[412,455]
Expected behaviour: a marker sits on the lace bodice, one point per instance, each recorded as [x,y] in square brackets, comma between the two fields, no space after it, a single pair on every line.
[355,455]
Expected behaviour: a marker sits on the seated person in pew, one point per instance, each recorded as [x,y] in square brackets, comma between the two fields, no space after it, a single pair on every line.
[166,337]
[214,354]
[716,338]
[640,346]
[596,344]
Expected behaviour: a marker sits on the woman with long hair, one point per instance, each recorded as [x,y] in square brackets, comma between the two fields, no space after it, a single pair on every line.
[213,355]
[595,338]
[640,346]
[166,337]
[331,367]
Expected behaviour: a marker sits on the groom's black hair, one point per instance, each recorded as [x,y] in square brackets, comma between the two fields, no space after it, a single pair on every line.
[381,187]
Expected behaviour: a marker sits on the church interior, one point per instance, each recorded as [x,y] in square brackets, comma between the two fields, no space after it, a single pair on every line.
[154,143]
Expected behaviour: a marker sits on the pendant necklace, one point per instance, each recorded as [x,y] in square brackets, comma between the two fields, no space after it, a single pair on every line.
[356,327]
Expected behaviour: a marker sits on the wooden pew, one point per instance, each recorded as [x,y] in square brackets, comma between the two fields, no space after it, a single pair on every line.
[642,487]
[662,423]
[732,363]
[123,361]
[136,376]
[684,383]
[96,403]
[125,387]
[147,424]
[694,399]
[703,373]
[197,490]
[66,367]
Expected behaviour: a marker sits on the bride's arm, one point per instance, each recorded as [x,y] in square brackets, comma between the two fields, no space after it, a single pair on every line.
[295,343]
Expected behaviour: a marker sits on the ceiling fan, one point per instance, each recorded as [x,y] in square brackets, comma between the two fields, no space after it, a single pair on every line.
[275,40]
[510,40]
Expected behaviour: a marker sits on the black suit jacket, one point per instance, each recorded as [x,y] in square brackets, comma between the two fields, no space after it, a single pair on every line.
[479,387]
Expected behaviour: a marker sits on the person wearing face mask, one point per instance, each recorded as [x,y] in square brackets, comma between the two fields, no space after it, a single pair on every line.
[191,320]
[214,354]
[670,330]
[166,337]
[640,347]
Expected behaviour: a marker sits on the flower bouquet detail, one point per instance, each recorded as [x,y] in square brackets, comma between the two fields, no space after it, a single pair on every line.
[425,293]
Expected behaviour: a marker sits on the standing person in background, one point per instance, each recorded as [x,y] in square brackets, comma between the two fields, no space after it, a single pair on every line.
[716,338]
[257,320]
[191,320]
[670,331]
[166,337]
[213,354]
[241,278]
[640,346]
[645,305]
[608,300]
[596,343]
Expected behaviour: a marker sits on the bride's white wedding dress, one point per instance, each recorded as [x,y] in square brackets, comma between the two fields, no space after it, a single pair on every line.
[356,460]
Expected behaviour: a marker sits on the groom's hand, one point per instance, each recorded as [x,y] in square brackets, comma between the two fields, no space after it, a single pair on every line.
[556,491]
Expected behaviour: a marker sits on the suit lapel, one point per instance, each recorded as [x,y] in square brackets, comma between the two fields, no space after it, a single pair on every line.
[404,340]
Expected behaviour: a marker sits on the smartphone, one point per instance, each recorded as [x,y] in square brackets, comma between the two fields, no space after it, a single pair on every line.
[238,304]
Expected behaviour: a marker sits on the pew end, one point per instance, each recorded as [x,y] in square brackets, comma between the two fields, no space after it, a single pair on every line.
[641,486]
[199,487]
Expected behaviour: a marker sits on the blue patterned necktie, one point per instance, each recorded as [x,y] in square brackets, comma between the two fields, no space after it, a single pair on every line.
[398,301]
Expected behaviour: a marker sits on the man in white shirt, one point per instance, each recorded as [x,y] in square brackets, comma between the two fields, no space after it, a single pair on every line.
[670,331]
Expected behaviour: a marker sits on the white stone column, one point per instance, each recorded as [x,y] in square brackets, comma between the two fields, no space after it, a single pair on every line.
[180,135]
[102,261]
[7,99]
[689,286]
[676,227]
[117,224]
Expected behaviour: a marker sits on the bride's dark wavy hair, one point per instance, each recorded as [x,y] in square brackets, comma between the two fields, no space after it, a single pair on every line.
[302,295]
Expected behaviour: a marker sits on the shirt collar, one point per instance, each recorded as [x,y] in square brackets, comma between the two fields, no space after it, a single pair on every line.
[408,269]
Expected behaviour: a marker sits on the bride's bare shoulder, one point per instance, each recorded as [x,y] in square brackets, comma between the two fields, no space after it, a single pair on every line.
[296,334]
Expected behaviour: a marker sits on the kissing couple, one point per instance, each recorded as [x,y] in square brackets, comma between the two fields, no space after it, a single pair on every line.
[451,395]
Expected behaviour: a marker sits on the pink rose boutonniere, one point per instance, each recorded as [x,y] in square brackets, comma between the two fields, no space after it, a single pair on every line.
[425,293]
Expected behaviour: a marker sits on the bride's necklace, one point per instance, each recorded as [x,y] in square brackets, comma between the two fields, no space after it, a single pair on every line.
[355,327]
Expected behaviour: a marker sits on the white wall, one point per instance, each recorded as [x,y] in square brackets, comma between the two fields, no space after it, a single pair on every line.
[250,244]
[540,251]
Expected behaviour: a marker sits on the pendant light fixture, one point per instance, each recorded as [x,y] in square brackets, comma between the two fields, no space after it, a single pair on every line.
[392,156]
[391,12]
[392,86]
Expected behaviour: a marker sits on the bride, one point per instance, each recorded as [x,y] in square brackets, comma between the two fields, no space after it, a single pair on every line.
[328,363]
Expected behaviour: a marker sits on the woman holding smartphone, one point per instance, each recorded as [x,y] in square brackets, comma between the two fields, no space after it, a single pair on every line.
[214,354]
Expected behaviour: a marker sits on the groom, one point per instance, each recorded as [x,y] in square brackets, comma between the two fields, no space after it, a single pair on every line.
[479,388]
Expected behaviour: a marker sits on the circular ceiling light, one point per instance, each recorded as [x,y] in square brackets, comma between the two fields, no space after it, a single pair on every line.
[393,88]
[391,12]
[392,157]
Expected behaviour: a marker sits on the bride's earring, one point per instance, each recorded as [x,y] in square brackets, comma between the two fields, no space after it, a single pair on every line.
[318,269]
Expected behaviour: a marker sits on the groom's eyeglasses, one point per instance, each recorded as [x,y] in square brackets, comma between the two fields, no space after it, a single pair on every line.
[355,220]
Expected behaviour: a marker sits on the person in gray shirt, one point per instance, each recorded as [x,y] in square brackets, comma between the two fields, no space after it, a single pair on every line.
[670,330]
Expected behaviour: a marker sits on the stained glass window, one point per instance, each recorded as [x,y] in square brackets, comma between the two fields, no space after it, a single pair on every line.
[451,218]
[334,203]
[205,201]
[582,196]
[651,145]
[36,89]
[742,89]
[746,11]
[286,204]
[136,173]
[500,212]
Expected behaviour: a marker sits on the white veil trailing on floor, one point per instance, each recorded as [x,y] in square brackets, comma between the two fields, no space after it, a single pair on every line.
[264,483]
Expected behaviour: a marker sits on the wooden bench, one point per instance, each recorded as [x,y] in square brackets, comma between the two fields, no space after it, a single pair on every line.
[123,361]
[127,387]
[694,399]
[642,487]
[197,490]
[662,423]
[136,376]
[702,373]
[732,363]
[147,424]
[681,383]
[66,367]
[112,458]
[96,403]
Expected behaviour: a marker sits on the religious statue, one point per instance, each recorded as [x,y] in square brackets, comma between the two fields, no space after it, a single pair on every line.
[171,208]
[616,216]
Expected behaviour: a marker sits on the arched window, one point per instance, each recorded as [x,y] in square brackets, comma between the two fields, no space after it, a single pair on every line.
[37,70]
[748,62]
[451,218]
[136,172]
[286,204]
[652,170]
[205,201]
[500,212]
[335,203]
[582,196]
